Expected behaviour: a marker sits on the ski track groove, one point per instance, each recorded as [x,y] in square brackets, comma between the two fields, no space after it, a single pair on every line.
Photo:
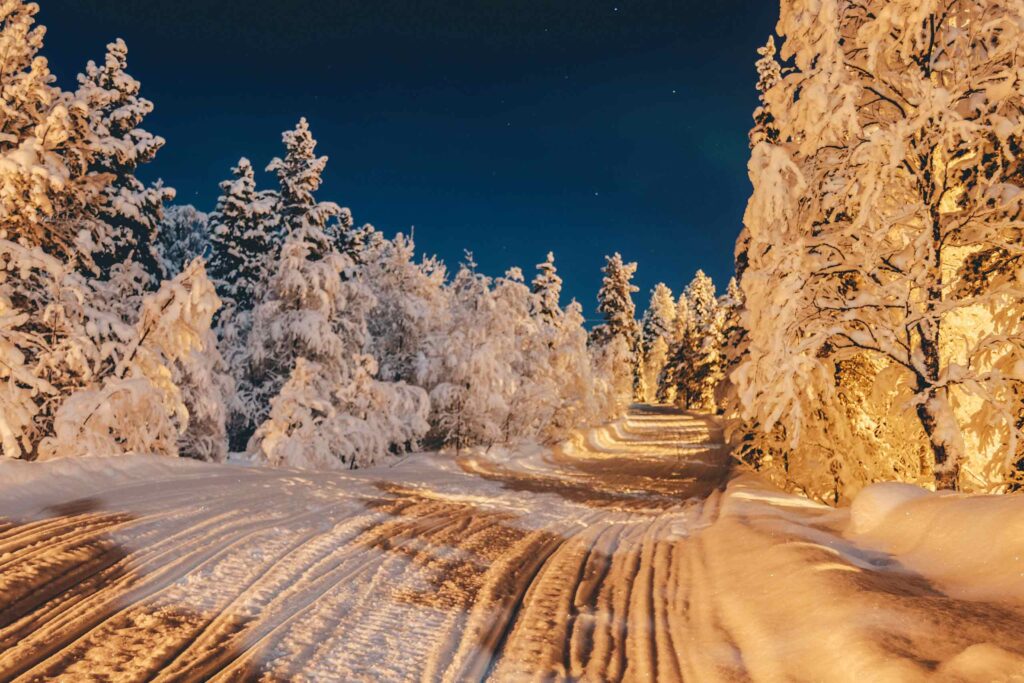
[210,578]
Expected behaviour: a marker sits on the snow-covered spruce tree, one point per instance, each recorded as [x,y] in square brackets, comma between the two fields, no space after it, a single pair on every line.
[184,234]
[299,175]
[657,327]
[769,71]
[898,161]
[56,339]
[547,289]
[245,237]
[243,240]
[583,398]
[311,387]
[681,351]
[412,304]
[559,366]
[734,340]
[619,334]
[120,146]
[534,397]
[297,216]
[709,363]
[695,364]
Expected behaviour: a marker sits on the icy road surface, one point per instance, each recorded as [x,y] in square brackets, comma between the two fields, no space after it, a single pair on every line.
[609,558]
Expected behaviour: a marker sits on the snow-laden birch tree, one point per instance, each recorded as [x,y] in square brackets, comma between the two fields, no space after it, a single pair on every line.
[889,208]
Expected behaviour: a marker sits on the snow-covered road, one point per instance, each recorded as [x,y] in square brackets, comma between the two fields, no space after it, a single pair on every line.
[611,557]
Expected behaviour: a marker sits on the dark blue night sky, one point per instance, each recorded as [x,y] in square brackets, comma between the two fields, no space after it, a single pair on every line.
[506,127]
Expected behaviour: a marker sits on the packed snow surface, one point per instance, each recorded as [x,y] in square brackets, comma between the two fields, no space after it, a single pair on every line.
[622,554]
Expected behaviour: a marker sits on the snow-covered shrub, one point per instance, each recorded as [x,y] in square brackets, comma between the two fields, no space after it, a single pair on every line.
[141,406]
[411,304]
[467,366]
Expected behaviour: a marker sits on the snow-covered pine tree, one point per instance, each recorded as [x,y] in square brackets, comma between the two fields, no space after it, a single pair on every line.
[314,395]
[695,367]
[534,397]
[310,386]
[898,161]
[309,310]
[615,301]
[615,304]
[120,146]
[733,332]
[243,240]
[657,327]
[282,279]
[708,364]
[678,366]
[769,71]
[583,399]
[299,175]
[183,236]
[547,288]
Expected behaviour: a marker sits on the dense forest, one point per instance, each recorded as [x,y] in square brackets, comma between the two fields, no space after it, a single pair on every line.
[873,331]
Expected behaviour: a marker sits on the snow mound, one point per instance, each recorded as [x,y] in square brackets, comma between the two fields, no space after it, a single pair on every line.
[875,503]
[971,546]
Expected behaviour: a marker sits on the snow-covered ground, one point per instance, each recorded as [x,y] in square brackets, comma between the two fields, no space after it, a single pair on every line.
[620,555]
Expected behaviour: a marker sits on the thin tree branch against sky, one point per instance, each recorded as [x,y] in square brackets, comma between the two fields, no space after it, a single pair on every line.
[507,128]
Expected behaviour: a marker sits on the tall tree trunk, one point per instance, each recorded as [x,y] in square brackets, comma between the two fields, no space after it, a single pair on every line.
[935,412]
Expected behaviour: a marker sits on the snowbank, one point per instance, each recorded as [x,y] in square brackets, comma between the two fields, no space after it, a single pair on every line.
[905,585]
[970,545]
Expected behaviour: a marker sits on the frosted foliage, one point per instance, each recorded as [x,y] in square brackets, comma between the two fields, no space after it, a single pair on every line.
[309,312]
[695,363]
[333,418]
[468,366]
[506,363]
[615,301]
[548,346]
[583,397]
[242,237]
[411,305]
[299,174]
[60,333]
[141,407]
[657,329]
[886,219]
[184,234]
[314,392]
[45,184]
[769,72]
[613,370]
[547,288]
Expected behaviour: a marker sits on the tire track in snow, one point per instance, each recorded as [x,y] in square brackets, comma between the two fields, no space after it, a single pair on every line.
[568,570]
